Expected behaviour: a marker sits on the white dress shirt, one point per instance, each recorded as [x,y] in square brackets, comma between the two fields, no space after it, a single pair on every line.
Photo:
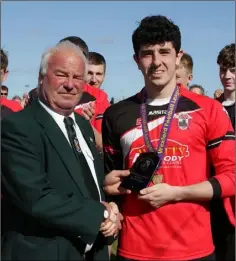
[59,119]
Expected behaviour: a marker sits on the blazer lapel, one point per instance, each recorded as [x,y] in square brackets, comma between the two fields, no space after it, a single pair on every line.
[61,145]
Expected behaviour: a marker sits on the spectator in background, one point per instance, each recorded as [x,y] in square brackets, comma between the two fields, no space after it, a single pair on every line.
[226,62]
[7,106]
[198,89]
[184,73]
[4,66]
[112,101]
[222,230]
[96,69]
[217,93]
[17,99]
[32,96]
[4,91]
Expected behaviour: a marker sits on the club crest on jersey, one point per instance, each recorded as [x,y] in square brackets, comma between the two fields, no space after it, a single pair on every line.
[183,120]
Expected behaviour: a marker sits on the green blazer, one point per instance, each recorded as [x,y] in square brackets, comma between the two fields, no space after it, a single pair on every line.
[47,211]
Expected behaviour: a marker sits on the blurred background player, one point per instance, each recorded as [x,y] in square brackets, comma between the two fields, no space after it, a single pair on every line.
[4,91]
[226,62]
[184,73]
[222,230]
[198,89]
[7,106]
[217,93]
[96,69]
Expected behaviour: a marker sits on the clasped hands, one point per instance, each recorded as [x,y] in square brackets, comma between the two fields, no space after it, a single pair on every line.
[112,224]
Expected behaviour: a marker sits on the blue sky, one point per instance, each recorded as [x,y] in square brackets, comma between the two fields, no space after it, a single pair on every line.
[28,28]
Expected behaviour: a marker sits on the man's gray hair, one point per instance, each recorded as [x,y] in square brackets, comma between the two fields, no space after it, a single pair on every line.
[66,45]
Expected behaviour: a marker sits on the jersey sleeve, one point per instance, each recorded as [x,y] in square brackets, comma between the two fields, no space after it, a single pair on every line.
[102,104]
[221,149]
[112,152]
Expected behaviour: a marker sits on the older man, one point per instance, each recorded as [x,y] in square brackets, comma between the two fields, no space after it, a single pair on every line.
[52,175]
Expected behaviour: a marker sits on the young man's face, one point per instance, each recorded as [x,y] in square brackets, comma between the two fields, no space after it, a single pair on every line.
[183,76]
[96,75]
[227,77]
[158,64]
[4,93]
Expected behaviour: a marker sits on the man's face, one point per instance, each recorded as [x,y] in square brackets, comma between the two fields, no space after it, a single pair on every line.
[158,64]
[62,86]
[227,77]
[4,93]
[96,75]
[183,76]
[4,74]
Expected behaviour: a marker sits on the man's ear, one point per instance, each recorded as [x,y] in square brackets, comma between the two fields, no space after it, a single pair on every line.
[190,78]
[178,58]
[136,60]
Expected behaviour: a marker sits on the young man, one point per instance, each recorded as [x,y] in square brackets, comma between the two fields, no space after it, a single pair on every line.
[198,89]
[168,220]
[223,231]
[184,72]
[226,62]
[4,91]
[96,69]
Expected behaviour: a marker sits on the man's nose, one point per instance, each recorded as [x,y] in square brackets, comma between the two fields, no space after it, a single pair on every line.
[69,83]
[93,78]
[156,59]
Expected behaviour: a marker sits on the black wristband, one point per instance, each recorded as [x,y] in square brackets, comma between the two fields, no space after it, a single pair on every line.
[217,191]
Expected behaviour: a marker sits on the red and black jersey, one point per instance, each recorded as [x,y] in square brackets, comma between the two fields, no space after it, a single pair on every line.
[100,99]
[201,134]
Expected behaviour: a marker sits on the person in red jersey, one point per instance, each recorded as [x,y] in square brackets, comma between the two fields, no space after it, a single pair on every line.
[97,97]
[187,133]
[7,106]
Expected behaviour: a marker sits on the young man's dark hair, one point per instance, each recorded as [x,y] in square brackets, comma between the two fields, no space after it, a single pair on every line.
[78,42]
[226,57]
[4,60]
[156,30]
[196,86]
[97,59]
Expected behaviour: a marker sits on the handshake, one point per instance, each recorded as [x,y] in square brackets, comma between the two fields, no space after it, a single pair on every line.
[112,223]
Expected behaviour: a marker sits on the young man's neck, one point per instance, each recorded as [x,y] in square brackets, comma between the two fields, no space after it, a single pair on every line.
[229,95]
[155,92]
